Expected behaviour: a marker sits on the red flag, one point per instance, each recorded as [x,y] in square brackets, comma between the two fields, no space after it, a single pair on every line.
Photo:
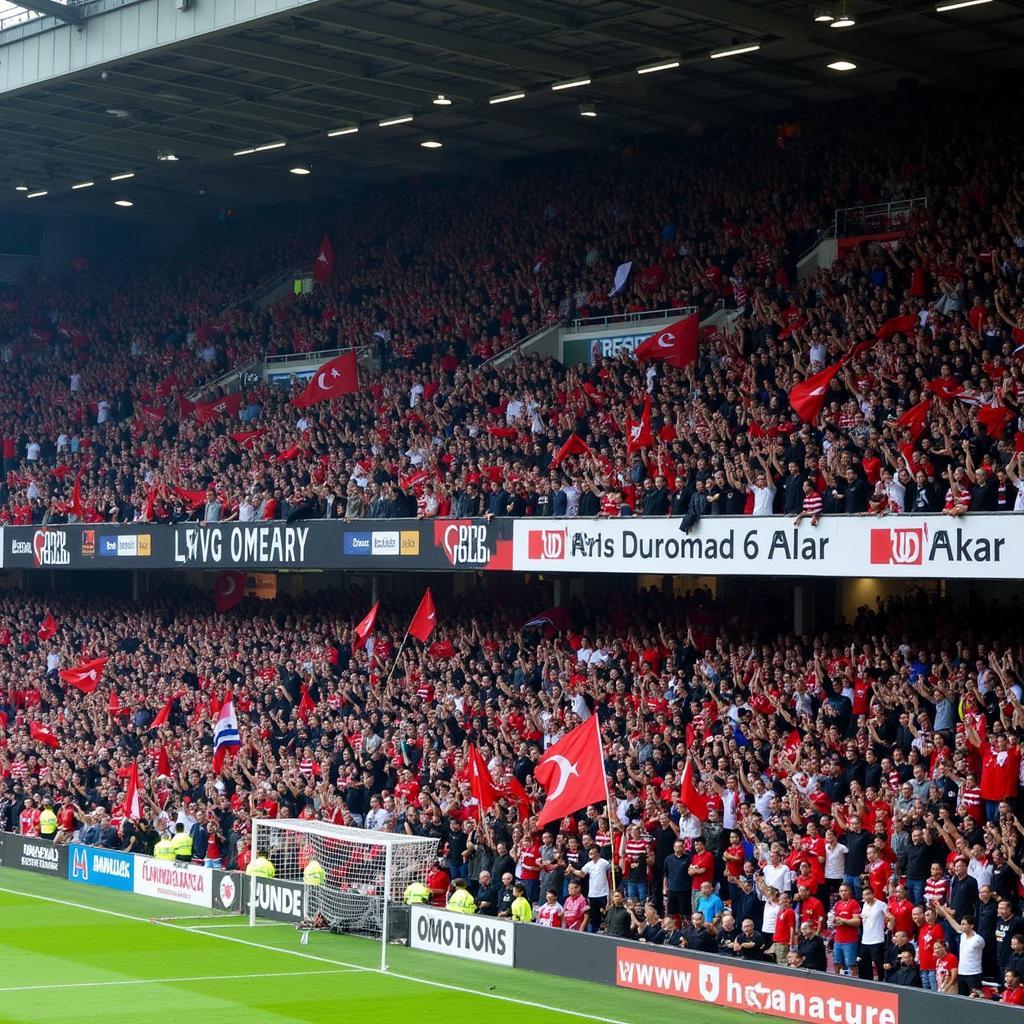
[85,677]
[44,734]
[306,705]
[194,499]
[675,344]
[323,268]
[638,432]
[793,743]
[897,325]
[572,773]
[167,385]
[1018,441]
[48,628]
[163,762]
[114,705]
[369,623]
[132,794]
[165,712]
[808,396]
[338,376]
[946,388]
[185,407]
[288,453]
[228,590]
[514,793]
[574,446]
[915,418]
[993,418]
[76,494]
[690,796]
[247,438]
[425,619]
[481,784]
[226,406]
[504,432]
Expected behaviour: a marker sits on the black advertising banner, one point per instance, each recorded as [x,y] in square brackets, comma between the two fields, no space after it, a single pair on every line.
[364,545]
[33,854]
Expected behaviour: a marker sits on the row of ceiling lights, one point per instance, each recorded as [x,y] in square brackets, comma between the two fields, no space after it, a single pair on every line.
[843,18]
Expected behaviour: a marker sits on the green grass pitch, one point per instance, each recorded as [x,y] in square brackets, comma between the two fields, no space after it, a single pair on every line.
[73,952]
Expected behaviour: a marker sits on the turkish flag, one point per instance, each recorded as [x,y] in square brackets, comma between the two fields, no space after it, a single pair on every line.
[163,762]
[514,793]
[226,406]
[76,494]
[425,619]
[165,712]
[993,418]
[481,784]
[228,590]
[675,344]
[574,446]
[915,418]
[44,734]
[369,623]
[247,438]
[338,376]
[572,773]
[638,432]
[896,325]
[165,388]
[87,676]
[323,268]
[48,628]
[945,387]
[808,397]
[691,798]
[306,704]
[194,499]
[133,794]
[185,407]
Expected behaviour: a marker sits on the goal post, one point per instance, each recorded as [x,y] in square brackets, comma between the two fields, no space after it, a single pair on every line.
[362,873]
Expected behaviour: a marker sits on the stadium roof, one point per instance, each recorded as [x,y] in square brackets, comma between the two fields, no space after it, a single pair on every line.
[308,68]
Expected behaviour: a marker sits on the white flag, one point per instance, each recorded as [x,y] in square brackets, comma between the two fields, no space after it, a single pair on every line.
[621,277]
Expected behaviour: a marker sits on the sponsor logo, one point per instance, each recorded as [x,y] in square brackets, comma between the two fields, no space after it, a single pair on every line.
[463,542]
[357,544]
[789,996]
[184,883]
[108,547]
[471,938]
[145,546]
[127,546]
[256,545]
[50,547]
[898,546]
[410,542]
[44,857]
[277,900]
[227,891]
[548,545]
[388,543]
[96,867]
[88,543]
[21,547]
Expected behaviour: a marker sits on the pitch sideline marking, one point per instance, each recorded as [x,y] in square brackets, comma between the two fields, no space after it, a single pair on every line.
[321,959]
[168,981]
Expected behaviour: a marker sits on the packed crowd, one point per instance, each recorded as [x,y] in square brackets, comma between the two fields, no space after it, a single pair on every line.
[95,423]
[856,794]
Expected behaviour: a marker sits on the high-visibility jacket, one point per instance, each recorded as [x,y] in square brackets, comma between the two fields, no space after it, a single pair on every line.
[164,850]
[521,910]
[47,822]
[313,873]
[461,902]
[261,868]
[416,892]
[182,843]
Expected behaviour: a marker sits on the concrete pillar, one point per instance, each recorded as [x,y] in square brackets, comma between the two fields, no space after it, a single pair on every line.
[558,592]
[803,608]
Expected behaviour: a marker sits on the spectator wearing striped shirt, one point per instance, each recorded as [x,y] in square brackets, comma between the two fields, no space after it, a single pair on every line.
[811,505]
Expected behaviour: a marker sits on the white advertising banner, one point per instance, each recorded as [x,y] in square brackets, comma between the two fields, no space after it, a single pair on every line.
[467,935]
[911,547]
[169,880]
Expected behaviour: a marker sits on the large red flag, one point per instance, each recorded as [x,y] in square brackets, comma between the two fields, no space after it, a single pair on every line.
[513,792]
[338,376]
[226,406]
[572,773]
[133,794]
[228,590]
[425,619]
[369,623]
[48,628]
[638,432]
[574,446]
[165,712]
[323,268]
[163,762]
[44,734]
[808,396]
[481,784]
[897,325]
[247,438]
[947,388]
[675,344]
[690,796]
[915,418]
[85,677]
[993,418]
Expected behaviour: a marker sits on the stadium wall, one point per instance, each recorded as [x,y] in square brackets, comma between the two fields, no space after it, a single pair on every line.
[974,547]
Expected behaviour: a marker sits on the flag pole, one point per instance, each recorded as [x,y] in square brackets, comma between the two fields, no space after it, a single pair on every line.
[607,801]
[397,656]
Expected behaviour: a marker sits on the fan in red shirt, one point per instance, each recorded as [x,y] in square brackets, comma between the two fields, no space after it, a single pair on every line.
[901,910]
[29,820]
[1000,770]
[702,865]
[1014,992]
[812,910]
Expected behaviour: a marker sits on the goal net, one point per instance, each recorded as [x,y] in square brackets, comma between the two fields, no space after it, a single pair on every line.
[348,876]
